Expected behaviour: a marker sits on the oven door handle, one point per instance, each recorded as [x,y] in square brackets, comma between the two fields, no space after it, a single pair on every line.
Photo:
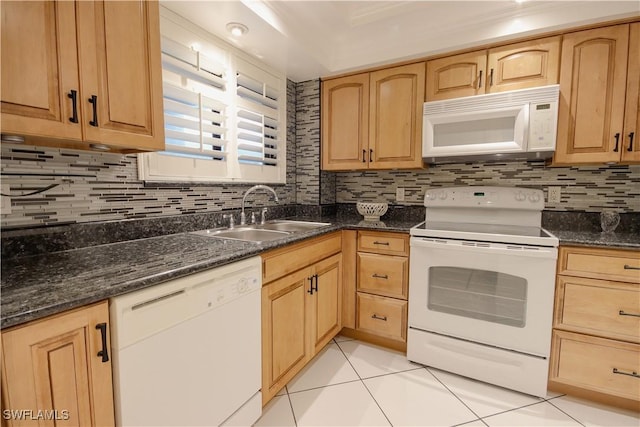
[484,247]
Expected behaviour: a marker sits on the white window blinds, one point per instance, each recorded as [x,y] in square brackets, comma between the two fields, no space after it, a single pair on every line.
[224,115]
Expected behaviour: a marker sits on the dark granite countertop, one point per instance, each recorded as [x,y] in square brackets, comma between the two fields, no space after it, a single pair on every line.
[40,285]
[36,286]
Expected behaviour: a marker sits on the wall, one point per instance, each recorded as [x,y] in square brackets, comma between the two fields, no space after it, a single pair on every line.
[584,188]
[103,187]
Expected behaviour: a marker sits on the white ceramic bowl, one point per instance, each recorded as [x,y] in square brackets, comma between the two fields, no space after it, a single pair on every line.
[372,211]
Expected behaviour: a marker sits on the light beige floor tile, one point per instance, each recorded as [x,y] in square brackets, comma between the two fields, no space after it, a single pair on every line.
[348,404]
[594,414]
[277,413]
[540,414]
[330,366]
[370,360]
[416,398]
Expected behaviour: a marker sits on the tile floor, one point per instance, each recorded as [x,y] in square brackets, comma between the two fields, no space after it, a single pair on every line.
[351,383]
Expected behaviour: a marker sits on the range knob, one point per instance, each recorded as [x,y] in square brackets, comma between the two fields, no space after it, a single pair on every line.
[443,195]
[520,196]
[534,197]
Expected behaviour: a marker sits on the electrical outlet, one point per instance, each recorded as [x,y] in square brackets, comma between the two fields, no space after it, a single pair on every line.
[5,205]
[399,194]
[553,194]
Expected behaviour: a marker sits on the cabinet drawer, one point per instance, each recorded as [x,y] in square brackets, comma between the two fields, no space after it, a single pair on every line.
[596,364]
[382,316]
[608,264]
[383,243]
[383,274]
[278,262]
[598,307]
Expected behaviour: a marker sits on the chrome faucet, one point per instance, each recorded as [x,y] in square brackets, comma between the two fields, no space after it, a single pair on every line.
[243,217]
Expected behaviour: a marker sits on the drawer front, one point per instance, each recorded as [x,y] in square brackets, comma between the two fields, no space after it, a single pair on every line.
[597,364]
[279,262]
[598,307]
[382,316]
[383,274]
[607,264]
[383,243]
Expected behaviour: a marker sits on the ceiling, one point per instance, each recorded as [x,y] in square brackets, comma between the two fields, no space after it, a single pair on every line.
[310,39]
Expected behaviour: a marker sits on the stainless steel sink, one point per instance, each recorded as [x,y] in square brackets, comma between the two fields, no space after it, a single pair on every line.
[291,226]
[272,230]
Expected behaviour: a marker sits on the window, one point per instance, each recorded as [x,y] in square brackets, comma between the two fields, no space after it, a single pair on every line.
[224,112]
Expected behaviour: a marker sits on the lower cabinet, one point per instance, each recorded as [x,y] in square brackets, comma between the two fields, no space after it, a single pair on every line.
[301,311]
[595,348]
[376,287]
[57,370]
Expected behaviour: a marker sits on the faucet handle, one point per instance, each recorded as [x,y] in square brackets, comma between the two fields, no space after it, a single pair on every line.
[263,216]
[253,217]
[232,222]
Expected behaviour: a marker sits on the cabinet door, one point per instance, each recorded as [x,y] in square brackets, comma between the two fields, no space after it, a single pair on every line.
[631,146]
[52,365]
[395,117]
[456,76]
[39,69]
[326,301]
[523,65]
[119,46]
[592,96]
[285,343]
[345,123]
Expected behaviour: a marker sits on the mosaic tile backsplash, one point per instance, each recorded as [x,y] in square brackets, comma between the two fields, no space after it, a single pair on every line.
[584,188]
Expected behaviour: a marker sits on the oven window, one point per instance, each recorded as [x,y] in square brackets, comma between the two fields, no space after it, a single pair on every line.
[478,294]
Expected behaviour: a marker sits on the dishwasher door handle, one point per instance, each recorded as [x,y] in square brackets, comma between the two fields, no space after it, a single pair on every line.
[104,353]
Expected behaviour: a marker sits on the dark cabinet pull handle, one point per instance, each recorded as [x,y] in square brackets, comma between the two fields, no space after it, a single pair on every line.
[617,137]
[380,276]
[364,153]
[630,267]
[630,148]
[480,80]
[375,316]
[491,78]
[313,288]
[632,374]
[104,353]
[94,100]
[73,95]
[370,155]
[381,243]
[622,313]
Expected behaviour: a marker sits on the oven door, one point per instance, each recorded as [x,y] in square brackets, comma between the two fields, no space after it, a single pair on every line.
[497,294]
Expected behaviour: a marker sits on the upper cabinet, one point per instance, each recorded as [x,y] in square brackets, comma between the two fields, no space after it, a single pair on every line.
[373,120]
[515,66]
[85,75]
[597,122]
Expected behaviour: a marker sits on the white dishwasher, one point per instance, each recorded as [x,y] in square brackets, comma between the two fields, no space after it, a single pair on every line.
[187,352]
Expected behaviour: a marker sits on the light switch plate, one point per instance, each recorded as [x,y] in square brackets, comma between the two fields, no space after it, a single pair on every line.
[400,194]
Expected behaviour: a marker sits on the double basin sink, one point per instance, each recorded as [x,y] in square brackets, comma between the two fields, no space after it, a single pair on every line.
[270,230]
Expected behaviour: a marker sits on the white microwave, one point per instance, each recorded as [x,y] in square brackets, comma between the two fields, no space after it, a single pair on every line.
[515,124]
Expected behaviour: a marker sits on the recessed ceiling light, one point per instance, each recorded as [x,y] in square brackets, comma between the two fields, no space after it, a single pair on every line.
[236,29]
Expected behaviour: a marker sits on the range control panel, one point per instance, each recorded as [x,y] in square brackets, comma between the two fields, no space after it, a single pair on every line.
[485,197]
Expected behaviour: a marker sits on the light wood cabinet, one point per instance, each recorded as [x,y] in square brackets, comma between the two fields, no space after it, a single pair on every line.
[515,66]
[373,120]
[86,75]
[377,296]
[596,328]
[55,365]
[301,308]
[598,112]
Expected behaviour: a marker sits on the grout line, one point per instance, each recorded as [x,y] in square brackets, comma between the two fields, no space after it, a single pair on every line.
[323,386]
[365,386]
[568,415]
[293,413]
[454,395]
